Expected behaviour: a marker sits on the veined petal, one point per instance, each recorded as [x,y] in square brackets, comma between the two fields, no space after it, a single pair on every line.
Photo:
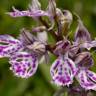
[8,50]
[63,71]
[9,45]
[51,9]
[82,34]
[62,47]
[23,64]
[91,75]
[85,81]
[73,50]
[26,37]
[32,13]
[8,39]
[71,65]
[84,60]
[88,45]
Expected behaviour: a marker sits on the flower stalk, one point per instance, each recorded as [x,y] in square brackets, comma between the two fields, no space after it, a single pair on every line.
[73,57]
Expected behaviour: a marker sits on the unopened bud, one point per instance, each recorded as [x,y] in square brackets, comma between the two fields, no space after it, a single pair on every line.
[64,19]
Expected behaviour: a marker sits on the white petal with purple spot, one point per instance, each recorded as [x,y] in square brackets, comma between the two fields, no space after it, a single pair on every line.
[23,64]
[8,39]
[85,81]
[91,75]
[9,45]
[63,71]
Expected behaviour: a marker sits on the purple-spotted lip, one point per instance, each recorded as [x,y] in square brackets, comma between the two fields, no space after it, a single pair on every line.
[24,68]
[63,71]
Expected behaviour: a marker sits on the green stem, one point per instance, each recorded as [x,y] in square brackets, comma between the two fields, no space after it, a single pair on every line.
[52,32]
[61,91]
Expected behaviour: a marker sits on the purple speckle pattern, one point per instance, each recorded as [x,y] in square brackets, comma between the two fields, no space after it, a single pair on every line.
[62,72]
[9,46]
[23,64]
[73,60]
[71,65]
[85,80]
[91,75]
[8,39]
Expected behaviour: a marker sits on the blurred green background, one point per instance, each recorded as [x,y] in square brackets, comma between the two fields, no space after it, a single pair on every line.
[39,84]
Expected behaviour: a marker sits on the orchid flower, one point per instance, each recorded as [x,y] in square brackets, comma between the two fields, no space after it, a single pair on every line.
[63,71]
[85,77]
[83,37]
[73,58]
[22,53]
[34,11]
